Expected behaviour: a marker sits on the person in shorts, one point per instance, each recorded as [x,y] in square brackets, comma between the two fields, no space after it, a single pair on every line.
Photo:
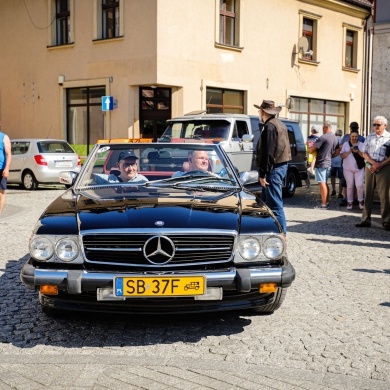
[327,146]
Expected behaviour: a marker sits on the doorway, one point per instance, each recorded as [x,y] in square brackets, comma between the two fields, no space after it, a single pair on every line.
[155,110]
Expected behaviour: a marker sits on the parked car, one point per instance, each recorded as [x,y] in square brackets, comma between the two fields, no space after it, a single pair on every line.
[178,240]
[238,134]
[39,161]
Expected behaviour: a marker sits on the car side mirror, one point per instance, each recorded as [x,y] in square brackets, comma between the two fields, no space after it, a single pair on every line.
[247,138]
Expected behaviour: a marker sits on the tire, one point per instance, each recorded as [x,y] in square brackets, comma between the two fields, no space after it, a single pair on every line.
[269,309]
[29,182]
[291,185]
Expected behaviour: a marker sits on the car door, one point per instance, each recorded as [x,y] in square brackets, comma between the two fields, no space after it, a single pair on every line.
[240,152]
[19,152]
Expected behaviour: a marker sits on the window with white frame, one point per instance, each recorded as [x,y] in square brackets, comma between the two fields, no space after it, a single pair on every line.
[351,36]
[309,29]
[229,22]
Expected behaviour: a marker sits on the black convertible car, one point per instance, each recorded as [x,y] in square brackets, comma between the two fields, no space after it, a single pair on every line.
[157,228]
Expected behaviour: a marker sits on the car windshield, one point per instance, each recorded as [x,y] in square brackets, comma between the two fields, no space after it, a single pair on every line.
[156,165]
[217,130]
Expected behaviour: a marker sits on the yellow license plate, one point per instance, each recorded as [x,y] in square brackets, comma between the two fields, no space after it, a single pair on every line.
[159,286]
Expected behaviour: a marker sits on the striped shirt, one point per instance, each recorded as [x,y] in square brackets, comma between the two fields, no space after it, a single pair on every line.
[374,146]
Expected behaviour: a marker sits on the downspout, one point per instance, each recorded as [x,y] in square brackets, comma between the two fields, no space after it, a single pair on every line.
[367,84]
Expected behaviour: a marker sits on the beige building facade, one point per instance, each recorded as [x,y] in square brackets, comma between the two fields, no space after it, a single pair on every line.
[159,59]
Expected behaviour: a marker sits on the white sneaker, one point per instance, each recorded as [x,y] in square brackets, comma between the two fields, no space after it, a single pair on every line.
[349,206]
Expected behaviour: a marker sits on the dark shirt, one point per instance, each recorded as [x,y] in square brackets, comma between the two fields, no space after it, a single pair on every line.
[326,146]
[266,148]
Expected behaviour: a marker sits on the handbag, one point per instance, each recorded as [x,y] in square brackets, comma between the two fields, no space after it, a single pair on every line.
[359,159]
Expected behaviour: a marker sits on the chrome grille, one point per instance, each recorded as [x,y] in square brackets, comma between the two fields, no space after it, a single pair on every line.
[127,249]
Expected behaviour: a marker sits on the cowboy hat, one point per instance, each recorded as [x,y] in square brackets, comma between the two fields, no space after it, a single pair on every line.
[268,106]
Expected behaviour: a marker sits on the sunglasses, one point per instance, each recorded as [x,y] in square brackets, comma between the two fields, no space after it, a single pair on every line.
[377,124]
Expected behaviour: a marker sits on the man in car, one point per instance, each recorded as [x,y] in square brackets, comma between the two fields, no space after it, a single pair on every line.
[128,171]
[198,160]
[5,162]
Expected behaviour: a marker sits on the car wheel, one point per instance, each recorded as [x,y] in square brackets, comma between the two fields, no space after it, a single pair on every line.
[291,185]
[269,309]
[29,182]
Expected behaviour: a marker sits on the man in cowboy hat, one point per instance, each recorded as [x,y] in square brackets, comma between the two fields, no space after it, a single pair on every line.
[273,153]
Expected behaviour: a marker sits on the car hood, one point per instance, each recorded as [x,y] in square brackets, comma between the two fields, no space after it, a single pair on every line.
[71,214]
[171,210]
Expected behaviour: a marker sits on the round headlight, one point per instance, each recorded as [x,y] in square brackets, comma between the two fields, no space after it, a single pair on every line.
[273,247]
[67,250]
[41,248]
[249,248]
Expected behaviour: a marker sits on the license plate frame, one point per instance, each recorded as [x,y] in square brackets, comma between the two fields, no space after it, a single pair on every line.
[158,286]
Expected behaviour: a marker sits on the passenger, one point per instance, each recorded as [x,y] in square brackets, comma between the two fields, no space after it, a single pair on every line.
[128,171]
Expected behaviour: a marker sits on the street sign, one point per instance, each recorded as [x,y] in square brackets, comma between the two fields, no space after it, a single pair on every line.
[107,103]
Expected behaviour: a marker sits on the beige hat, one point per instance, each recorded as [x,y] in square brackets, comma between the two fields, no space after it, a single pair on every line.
[268,106]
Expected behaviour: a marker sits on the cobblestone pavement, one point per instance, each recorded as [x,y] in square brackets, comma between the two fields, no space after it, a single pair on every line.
[332,332]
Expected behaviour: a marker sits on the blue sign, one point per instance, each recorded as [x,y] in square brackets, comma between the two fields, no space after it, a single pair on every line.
[107,103]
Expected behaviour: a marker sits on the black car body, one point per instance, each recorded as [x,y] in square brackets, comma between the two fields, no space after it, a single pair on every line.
[194,243]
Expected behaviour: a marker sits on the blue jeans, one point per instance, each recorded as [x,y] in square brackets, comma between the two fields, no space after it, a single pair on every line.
[272,194]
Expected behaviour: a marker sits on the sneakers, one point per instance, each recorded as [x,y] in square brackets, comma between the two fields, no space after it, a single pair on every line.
[340,196]
[322,207]
[361,205]
[363,224]
[333,193]
[349,206]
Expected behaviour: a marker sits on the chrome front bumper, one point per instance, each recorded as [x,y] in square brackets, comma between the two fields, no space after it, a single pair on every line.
[77,281]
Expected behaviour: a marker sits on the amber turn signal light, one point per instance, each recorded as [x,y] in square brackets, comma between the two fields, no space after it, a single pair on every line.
[48,289]
[267,288]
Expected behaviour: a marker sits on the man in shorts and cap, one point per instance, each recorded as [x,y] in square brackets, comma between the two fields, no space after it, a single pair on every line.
[128,171]
[273,153]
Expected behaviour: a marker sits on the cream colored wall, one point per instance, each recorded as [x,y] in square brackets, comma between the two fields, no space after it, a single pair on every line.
[263,67]
[167,44]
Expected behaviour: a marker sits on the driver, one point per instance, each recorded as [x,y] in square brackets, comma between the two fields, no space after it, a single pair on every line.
[198,160]
[128,171]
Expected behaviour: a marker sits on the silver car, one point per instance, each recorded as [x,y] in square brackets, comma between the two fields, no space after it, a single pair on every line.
[36,161]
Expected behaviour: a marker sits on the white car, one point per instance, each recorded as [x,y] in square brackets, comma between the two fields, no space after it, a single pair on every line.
[36,161]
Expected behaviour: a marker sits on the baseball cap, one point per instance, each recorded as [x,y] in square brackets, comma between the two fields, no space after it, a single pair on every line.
[127,154]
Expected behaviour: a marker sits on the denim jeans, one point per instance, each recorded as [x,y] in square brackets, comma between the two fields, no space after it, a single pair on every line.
[272,194]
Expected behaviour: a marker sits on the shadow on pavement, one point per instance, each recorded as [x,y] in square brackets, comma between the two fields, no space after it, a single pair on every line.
[24,325]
